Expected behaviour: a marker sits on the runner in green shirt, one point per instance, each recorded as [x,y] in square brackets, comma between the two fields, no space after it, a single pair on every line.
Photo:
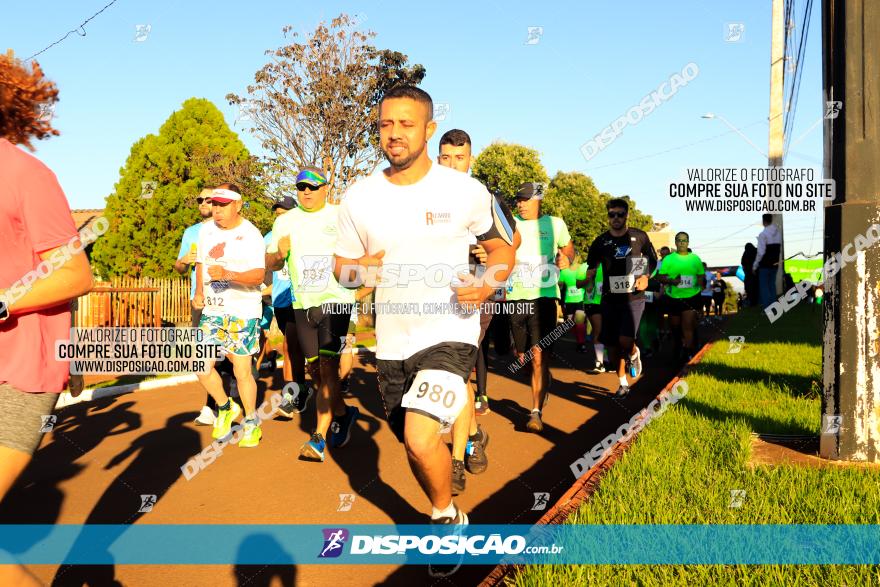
[683,276]
[593,308]
[573,304]
[304,239]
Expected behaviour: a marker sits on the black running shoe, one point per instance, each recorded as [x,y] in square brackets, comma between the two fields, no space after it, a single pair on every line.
[622,391]
[340,427]
[295,399]
[475,457]
[458,478]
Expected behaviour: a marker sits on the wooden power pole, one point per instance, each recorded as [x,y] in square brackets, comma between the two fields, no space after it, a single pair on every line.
[851,357]
[777,138]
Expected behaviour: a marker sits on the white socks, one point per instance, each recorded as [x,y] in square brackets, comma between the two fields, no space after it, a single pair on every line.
[447,512]
[623,381]
[600,352]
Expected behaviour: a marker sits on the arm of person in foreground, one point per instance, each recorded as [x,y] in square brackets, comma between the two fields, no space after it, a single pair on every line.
[500,261]
[69,280]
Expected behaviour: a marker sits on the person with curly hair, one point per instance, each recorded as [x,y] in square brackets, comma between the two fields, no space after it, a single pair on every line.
[43,269]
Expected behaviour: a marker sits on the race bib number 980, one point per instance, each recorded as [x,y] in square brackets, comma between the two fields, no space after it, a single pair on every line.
[439,394]
[687,281]
[621,283]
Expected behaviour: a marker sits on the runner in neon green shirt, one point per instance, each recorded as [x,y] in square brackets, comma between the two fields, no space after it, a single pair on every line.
[573,307]
[683,275]
[593,309]
[304,239]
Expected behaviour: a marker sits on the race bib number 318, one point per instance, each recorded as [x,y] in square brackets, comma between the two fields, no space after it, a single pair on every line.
[621,283]
[440,394]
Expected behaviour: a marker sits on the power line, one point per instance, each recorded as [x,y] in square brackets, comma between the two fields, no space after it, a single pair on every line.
[76,30]
[678,148]
[797,55]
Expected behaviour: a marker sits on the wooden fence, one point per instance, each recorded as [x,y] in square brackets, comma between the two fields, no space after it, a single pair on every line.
[135,302]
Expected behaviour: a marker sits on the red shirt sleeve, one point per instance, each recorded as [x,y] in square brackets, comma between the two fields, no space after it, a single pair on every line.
[44,209]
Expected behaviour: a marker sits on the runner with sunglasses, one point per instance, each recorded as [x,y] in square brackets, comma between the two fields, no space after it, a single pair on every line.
[186,257]
[627,258]
[683,276]
[304,238]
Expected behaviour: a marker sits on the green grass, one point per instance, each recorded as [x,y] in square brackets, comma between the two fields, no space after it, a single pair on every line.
[683,465]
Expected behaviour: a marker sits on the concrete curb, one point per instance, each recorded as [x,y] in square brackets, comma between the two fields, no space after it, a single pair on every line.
[588,483]
[92,394]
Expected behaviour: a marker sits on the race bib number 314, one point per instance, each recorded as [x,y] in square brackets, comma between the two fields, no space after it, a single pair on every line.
[687,281]
[439,394]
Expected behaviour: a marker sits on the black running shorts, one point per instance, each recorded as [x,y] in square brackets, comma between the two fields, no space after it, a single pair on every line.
[283,316]
[620,318]
[677,306]
[531,321]
[396,377]
[321,330]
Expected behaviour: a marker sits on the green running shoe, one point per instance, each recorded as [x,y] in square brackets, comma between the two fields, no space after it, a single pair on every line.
[224,420]
[252,435]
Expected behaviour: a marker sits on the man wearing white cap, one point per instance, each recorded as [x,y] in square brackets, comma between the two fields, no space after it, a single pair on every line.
[229,270]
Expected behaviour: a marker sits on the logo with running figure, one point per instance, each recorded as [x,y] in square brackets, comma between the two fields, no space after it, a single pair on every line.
[334,540]
[622,251]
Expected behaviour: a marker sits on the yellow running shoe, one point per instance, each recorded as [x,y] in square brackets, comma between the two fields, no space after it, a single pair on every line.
[224,420]
[252,435]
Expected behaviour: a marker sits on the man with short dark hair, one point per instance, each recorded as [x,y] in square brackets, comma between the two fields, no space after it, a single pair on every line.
[423,359]
[627,258]
[186,257]
[766,263]
[468,439]
[533,292]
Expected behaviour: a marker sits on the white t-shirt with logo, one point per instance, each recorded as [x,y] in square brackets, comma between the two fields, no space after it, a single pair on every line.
[235,249]
[428,224]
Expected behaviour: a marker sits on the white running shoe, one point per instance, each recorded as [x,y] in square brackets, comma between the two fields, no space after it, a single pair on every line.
[206,417]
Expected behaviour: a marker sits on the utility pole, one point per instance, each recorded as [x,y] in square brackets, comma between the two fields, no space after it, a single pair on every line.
[777,138]
[851,352]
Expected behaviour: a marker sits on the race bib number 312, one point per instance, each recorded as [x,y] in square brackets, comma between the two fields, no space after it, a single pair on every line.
[439,394]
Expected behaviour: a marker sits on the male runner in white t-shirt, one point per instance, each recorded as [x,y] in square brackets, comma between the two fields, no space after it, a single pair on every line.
[414,217]
[230,267]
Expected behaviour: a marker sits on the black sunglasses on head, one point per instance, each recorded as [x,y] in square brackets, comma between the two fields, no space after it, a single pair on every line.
[617,215]
[301,187]
[200,200]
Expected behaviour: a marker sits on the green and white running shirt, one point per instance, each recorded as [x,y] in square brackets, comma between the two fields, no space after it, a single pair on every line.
[310,261]
[689,267]
[596,296]
[570,277]
[535,273]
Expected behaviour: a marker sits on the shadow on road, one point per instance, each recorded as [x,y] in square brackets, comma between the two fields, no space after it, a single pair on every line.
[158,457]
[282,568]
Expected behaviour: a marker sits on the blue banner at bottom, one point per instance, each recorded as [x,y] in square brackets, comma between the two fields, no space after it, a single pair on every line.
[421,544]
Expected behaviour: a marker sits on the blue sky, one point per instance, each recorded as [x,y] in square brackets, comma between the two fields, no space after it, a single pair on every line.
[594,61]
